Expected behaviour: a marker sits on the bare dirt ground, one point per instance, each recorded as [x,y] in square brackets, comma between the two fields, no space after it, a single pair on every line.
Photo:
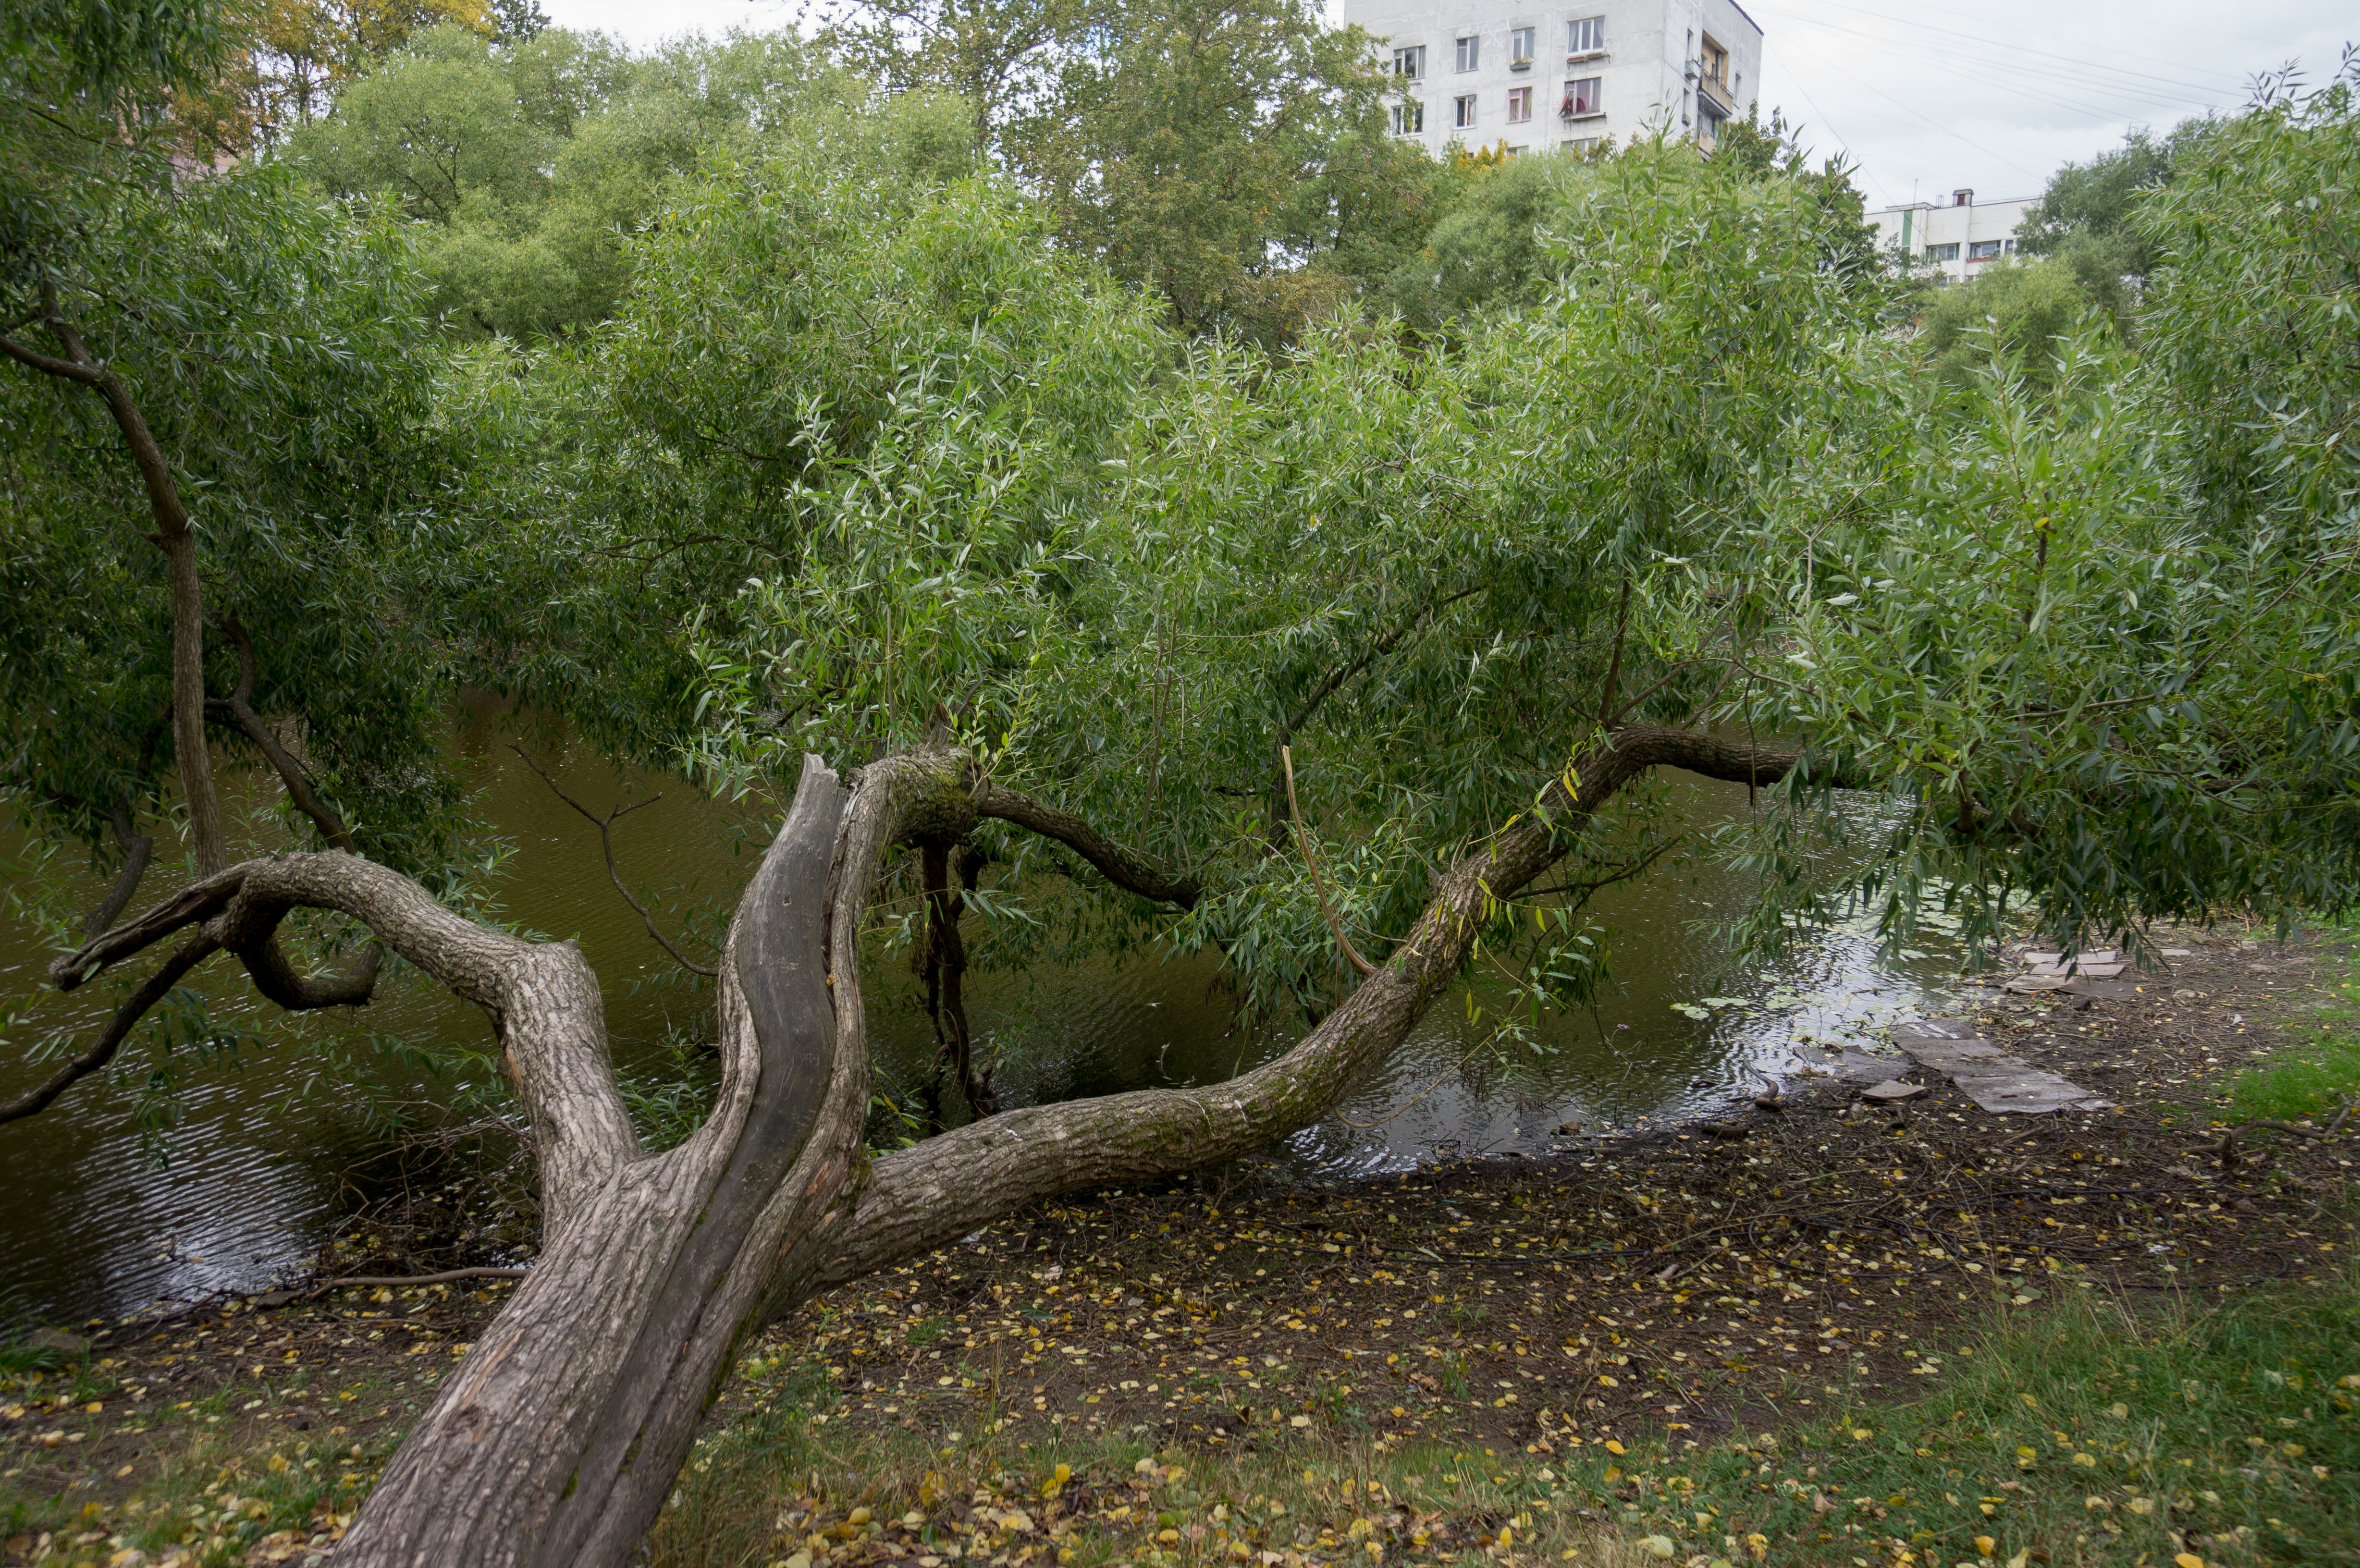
[1666,1286]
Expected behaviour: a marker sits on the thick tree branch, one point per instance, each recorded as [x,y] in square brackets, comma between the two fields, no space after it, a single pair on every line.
[1130,869]
[239,708]
[199,901]
[137,848]
[917,1199]
[49,364]
[606,842]
[178,541]
[543,990]
[152,990]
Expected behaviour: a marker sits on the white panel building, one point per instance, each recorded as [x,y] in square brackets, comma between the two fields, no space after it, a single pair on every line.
[1483,74]
[1956,238]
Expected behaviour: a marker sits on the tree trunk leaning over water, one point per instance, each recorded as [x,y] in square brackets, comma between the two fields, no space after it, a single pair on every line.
[558,1437]
[919,1197]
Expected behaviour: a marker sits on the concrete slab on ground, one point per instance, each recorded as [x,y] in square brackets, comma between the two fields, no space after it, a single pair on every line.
[1986,1074]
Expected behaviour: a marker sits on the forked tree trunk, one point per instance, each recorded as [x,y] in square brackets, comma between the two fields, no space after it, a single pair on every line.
[556,1440]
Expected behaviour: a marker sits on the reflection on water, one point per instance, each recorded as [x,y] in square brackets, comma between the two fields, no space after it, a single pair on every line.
[87,1222]
[88,1225]
[1681,1033]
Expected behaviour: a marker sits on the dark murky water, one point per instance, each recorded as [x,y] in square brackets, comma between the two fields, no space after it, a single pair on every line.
[91,1223]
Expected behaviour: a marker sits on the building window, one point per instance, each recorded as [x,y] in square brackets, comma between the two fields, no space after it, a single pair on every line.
[1983,250]
[1708,119]
[1941,253]
[1410,63]
[1582,99]
[1520,105]
[1470,53]
[1409,119]
[1462,111]
[1581,143]
[1520,46]
[1714,64]
[1585,37]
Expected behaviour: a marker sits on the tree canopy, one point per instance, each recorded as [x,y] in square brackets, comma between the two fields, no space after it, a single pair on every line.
[1086,541]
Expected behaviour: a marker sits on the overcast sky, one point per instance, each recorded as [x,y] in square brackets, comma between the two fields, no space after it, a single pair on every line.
[1923,96]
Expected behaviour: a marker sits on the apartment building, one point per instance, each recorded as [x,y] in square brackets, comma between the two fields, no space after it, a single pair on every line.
[1956,236]
[1483,74]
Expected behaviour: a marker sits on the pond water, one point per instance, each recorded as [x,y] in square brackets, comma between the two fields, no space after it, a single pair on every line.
[93,1222]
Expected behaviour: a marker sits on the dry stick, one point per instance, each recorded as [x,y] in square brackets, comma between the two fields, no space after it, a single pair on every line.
[137,849]
[606,842]
[356,1280]
[1286,757]
[240,708]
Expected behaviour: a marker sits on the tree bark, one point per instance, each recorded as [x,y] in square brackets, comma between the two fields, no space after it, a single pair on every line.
[178,541]
[918,1199]
[947,871]
[558,1437]
[137,849]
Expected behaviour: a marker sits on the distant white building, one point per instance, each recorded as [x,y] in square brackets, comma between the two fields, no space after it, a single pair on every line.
[1956,237]
[1483,74]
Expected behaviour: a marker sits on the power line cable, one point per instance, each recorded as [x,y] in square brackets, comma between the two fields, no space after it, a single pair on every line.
[1857,162]
[2075,62]
[1946,130]
[2083,83]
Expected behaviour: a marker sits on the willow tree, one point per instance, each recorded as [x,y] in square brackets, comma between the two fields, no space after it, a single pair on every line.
[1327,663]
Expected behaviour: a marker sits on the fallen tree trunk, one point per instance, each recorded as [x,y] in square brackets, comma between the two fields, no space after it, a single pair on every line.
[557,1437]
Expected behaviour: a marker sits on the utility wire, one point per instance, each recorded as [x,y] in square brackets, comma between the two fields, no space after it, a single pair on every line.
[1946,130]
[2083,84]
[1812,103]
[2078,62]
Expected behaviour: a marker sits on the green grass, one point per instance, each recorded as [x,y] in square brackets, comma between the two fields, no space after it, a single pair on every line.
[2319,1073]
[2098,1431]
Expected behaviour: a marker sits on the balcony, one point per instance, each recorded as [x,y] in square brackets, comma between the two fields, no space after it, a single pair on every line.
[1717,92]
